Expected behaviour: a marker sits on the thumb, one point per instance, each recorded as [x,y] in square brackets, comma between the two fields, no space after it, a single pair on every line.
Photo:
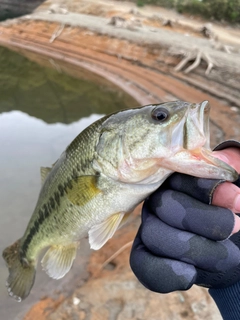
[231,156]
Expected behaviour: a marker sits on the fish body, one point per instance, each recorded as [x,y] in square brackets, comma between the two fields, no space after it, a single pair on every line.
[111,167]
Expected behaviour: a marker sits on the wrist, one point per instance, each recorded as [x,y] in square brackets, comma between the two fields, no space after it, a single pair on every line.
[227,301]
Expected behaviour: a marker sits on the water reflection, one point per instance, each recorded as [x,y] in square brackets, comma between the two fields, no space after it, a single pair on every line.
[41,111]
[11,9]
[46,94]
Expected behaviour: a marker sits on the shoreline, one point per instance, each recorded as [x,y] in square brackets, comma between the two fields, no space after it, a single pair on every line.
[145,70]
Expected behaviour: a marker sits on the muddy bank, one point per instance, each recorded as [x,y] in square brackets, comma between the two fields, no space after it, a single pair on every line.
[143,66]
[144,36]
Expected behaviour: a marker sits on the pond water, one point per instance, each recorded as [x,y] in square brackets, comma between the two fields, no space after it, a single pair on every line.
[41,110]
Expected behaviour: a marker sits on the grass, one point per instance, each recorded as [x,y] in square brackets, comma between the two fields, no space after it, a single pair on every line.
[227,10]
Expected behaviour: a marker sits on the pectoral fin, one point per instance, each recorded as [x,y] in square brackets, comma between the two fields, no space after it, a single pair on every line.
[58,260]
[124,219]
[200,163]
[102,232]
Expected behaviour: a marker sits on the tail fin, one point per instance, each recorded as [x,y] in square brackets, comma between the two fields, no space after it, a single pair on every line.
[21,274]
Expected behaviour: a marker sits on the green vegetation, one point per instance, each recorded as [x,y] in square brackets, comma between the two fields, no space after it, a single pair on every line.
[228,10]
[51,96]
[162,3]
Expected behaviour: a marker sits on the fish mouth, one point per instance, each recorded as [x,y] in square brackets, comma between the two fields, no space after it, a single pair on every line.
[197,140]
[216,167]
[204,111]
[196,129]
[204,122]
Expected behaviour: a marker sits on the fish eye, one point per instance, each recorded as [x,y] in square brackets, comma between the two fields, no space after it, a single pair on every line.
[160,114]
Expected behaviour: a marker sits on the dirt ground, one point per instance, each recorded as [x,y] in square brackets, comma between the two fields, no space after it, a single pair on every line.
[147,16]
[138,49]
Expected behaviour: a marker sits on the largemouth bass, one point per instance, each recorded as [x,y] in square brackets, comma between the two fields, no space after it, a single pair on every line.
[108,169]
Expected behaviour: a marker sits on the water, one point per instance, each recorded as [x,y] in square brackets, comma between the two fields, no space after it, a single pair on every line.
[41,111]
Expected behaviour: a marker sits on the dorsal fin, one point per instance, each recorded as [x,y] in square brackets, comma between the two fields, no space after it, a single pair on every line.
[44,172]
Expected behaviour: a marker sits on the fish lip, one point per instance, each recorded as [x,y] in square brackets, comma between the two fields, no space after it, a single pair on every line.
[204,121]
[197,126]
[232,174]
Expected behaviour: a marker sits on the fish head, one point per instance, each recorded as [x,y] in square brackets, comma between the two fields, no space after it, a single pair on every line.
[145,145]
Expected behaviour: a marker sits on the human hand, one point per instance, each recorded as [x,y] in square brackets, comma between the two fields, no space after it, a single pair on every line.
[228,194]
[180,241]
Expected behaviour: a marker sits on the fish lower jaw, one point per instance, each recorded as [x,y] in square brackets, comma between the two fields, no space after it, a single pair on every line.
[154,181]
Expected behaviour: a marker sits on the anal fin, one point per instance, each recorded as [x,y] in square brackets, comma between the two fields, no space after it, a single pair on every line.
[102,232]
[58,260]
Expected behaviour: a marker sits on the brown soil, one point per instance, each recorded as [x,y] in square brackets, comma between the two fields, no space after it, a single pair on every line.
[146,71]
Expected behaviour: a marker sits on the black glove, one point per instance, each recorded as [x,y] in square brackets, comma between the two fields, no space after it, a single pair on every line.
[183,240]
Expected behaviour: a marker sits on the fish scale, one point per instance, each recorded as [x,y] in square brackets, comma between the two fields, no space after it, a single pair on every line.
[108,169]
[57,183]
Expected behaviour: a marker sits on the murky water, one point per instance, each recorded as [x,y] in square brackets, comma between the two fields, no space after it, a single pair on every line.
[41,111]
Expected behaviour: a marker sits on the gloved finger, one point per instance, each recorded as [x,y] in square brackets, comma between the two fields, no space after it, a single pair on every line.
[186,213]
[204,189]
[160,274]
[165,241]
[198,188]
[220,279]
